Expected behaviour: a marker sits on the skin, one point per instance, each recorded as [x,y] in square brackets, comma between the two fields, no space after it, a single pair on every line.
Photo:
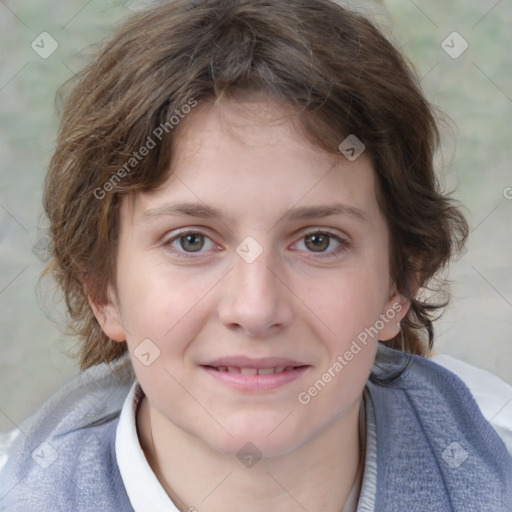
[247,160]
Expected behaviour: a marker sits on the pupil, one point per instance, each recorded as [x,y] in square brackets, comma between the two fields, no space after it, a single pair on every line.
[321,238]
[189,240]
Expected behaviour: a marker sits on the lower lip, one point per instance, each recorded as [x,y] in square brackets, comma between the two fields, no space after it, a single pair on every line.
[256,382]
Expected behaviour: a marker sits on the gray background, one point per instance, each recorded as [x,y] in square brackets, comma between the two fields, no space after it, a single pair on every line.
[475,90]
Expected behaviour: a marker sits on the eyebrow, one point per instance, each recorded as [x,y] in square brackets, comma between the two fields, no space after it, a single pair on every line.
[204,211]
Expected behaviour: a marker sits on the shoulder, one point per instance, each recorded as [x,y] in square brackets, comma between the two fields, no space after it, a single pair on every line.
[435,449]
[493,395]
[63,457]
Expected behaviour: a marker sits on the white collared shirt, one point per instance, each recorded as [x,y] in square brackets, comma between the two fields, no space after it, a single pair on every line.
[142,486]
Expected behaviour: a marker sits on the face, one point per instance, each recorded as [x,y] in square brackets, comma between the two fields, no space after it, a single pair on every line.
[260,252]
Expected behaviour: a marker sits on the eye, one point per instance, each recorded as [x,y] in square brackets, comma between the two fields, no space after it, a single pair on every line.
[186,243]
[319,241]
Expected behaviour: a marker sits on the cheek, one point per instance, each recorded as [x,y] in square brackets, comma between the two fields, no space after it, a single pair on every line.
[350,302]
[163,315]
[154,299]
[349,308]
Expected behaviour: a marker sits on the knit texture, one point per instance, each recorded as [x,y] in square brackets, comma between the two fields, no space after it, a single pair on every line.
[435,450]
[64,458]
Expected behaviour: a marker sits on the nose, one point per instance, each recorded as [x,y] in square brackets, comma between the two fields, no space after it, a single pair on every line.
[255,297]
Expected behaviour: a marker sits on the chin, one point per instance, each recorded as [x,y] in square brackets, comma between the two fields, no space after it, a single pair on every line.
[269,438]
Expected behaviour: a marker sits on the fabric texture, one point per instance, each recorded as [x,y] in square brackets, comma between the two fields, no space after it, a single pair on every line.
[435,450]
[493,395]
[63,459]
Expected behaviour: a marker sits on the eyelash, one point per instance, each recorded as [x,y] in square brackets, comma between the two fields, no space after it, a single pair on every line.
[344,244]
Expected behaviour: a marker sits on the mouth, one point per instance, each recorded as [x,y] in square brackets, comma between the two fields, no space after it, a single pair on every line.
[253,371]
[255,378]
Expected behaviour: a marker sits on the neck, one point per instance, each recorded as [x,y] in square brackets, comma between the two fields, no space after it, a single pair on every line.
[197,477]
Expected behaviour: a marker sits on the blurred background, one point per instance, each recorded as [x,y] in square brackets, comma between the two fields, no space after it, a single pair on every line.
[461,51]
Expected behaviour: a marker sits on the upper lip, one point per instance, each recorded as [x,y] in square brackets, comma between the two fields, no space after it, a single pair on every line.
[248,362]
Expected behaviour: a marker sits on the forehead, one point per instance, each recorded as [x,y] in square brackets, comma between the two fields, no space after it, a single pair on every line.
[250,155]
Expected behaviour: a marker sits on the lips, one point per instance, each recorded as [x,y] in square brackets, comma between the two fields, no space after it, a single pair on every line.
[250,374]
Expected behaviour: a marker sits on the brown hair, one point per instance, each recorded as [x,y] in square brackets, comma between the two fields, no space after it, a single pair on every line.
[332,66]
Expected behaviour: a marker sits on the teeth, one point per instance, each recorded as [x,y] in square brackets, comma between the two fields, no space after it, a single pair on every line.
[254,371]
[249,371]
[264,371]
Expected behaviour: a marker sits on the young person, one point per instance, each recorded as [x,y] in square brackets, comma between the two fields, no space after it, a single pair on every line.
[244,217]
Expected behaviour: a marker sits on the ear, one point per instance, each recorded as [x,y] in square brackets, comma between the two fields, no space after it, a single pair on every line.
[394,311]
[109,316]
